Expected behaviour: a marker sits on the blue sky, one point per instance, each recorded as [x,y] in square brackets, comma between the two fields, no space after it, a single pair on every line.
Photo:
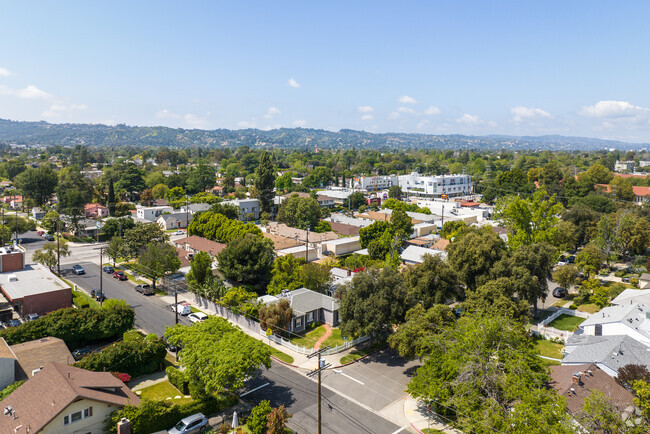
[467,67]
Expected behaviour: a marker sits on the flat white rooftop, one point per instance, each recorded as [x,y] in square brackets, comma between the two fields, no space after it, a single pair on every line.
[32,280]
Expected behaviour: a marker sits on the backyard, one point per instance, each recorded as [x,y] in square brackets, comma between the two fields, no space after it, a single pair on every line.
[548,348]
[566,322]
[163,391]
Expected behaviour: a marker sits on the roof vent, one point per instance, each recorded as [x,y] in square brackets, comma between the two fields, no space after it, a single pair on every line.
[13,278]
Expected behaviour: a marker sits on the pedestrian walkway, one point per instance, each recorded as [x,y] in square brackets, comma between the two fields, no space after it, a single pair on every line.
[420,418]
[328,333]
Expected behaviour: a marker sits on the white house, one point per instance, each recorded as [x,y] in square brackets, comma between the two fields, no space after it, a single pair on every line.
[196,207]
[415,254]
[373,183]
[151,213]
[177,220]
[435,186]
[246,207]
[631,319]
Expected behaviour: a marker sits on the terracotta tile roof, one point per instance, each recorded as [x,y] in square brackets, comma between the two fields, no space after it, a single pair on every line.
[37,353]
[280,242]
[562,381]
[441,244]
[639,191]
[200,244]
[92,206]
[50,391]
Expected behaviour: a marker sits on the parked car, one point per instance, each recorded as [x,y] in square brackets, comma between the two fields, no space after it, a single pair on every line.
[13,323]
[40,233]
[144,288]
[31,317]
[179,233]
[100,297]
[119,275]
[108,269]
[183,308]
[197,317]
[48,237]
[78,269]
[191,424]
[625,279]
[559,293]
[561,263]
[79,353]
[571,259]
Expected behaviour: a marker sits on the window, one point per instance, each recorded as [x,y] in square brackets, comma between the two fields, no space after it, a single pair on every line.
[298,322]
[598,330]
[78,415]
[310,317]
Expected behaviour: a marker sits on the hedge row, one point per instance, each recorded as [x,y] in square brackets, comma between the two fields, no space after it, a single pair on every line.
[178,379]
[77,327]
[135,357]
[152,416]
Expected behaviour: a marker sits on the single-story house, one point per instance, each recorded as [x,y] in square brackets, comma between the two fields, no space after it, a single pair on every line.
[424,228]
[64,399]
[307,253]
[177,220]
[280,242]
[609,353]
[415,254]
[341,246]
[95,210]
[308,306]
[195,244]
[88,228]
[35,289]
[22,361]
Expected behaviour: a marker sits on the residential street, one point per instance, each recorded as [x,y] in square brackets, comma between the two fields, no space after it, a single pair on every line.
[299,395]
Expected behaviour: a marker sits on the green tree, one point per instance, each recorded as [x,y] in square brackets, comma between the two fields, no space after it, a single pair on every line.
[412,337]
[159,191]
[452,229]
[48,256]
[12,168]
[257,420]
[589,259]
[200,269]
[199,179]
[474,255]
[622,189]
[529,220]
[158,259]
[141,235]
[73,192]
[600,414]
[300,212]
[117,226]
[431,282]
[480,366]
[286,274]
[117,250]
[596,174]
[316,277]
[495,298]
[585,221]
[395,192]
[37,184]
[131,179]
[640,237]
[566,276]
[175,193]
[323,226]
[402,224]
[276,316]
[219,355]
[607,235]
[277,420]
[372,232]
[566,236]
[110,201]
[247,260]
[49,221]
[356,199]
[372,302]
[265,181]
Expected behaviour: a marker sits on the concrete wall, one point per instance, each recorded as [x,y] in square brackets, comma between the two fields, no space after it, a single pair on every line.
[94,424]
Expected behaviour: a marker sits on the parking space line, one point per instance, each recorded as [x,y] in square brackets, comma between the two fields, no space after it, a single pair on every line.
[338,371]
[401,429]
[257,388]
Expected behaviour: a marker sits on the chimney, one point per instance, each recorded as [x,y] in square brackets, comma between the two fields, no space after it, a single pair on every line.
[124,426]
[576,377]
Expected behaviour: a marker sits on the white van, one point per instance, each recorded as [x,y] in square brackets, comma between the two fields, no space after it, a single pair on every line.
[183,308]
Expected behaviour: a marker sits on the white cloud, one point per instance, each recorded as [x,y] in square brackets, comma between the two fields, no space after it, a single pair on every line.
[166,114]
[293,83]
[60,110]
[394,115]
[613,109]
[521,113]
[406,110]
[432,110]
[468,119]
[367,117]
[4,72]
[30,92]
[423,123]
[365,109]
[301,123]
[193,120]
[272,111]
[246,124]
[405,99]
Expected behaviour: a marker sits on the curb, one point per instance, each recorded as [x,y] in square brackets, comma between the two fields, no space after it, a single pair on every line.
[415,428]
[283,362]
[360,358]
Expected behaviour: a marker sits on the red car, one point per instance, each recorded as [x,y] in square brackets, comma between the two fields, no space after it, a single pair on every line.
[120,275]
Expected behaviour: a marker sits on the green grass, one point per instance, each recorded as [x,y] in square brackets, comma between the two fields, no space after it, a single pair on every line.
[335,339]
[193,309]
[589,308]
[566,322]
[549,349]
[286,358]
[541,316]
[551,362]
[161,391]
[310,338]
[80,298]
[431,431]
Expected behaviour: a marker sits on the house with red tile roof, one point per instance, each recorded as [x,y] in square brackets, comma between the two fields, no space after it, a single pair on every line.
[95,210]
[642,193]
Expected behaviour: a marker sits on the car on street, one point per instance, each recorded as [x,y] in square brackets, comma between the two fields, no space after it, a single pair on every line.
[100,297]
[108,269]
[197,317]
[559,293]
[119,275]
[190,425]
[48,237]
[79,353]
[144,288]
[78,269]
[13,323]
[179,233]
[625,279]
[561,263]
[40,233]
[183,308]
[31,317]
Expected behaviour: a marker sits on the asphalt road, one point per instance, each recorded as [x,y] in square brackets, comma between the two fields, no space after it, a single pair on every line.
[152,314]
[376,381]
[299,395]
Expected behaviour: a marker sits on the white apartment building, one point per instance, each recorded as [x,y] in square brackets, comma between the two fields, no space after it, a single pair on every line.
[151,213]
[373,183]
[624,166]
[435,186]
[246,207]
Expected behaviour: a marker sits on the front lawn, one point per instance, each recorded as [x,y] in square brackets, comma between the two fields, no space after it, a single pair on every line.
[80,299]
[163,390]
[310,338]
[566,322]
[286,358]
[335,339]
[548,348]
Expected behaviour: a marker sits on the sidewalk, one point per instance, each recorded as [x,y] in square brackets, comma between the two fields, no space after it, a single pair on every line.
[420,419]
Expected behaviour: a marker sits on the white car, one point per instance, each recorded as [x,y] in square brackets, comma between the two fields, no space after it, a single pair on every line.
[197,317]
[179,233]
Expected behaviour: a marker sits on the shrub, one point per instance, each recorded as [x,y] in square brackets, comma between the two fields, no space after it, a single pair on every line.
[573,306]
[77,327]
[197,390]
[137,357]
[620,273]
[131,335]
[634,281]
[124,378]
[7,390]
[179,379]
[256,422]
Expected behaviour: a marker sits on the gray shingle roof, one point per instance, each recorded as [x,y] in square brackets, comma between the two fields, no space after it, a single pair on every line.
[305,300]
[613,351]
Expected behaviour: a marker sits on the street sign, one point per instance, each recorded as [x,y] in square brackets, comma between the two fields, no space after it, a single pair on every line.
[443,196]
[97,225]
[269,332]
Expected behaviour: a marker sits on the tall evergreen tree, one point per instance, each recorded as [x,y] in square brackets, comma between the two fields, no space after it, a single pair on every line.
[111,198]
[265,182]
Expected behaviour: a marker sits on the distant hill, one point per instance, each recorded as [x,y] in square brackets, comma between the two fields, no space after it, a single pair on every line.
[46,134]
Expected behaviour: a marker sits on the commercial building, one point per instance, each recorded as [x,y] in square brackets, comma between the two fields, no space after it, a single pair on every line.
[35,289]
[415,184]
[373,183]
[625,166]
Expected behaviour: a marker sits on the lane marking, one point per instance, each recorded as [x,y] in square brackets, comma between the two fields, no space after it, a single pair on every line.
[257,388]
[338,371]
[401,429]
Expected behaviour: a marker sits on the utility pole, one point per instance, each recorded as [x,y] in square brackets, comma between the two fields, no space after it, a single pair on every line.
[443,216]
[101,275]
[187,215]
[3,227]
[176,303]
[58,251]
[321,367]
[307,246]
